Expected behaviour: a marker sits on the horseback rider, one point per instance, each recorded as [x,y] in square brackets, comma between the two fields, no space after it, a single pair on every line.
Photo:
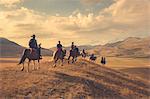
[33,43]
[39,48]
[76,49]
[72,46]
[59,47]
[59,54]
[34,46]
[103,60]
[83,51]
[93,56]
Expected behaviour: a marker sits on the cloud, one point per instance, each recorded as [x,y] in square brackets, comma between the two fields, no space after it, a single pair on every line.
[121,19]
[28,26]
[9,3]
[134,14]
[1,29]
[90,1]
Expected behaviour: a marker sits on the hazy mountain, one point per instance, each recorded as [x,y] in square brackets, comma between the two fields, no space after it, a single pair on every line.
[81,47]
[130,47]
[11,49]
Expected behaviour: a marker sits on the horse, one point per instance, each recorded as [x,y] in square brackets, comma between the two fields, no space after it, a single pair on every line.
[83,55]
[93,58]
[59,55]
[103,61]
[74,54]
[27,54]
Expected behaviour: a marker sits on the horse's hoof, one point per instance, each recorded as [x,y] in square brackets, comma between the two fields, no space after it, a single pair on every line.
[22,69]
[54,66]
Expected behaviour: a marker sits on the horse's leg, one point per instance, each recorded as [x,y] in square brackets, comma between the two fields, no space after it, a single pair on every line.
[61,62]
[22,67]
[55,62]
[39,64]
[28,65]
[69,59]
[33,64]
[73,59]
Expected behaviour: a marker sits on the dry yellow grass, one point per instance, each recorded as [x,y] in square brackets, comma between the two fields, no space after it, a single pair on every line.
[82,80]
[123,63]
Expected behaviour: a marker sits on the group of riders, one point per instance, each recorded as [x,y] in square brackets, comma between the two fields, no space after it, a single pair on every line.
[34,53]
[73,47]
[36,49]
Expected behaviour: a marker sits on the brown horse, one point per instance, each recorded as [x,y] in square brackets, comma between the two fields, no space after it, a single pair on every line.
[30,56]
[74,54]
[59,55]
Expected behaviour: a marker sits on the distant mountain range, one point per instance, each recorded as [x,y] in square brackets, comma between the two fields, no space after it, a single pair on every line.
[11,49]
[130,47]
[81,47]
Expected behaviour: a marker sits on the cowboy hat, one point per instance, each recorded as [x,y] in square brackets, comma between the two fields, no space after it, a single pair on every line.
[33,35]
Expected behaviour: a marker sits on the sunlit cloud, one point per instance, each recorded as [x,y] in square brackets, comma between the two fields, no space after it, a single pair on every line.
[121,19]
[9,3]
[90,1]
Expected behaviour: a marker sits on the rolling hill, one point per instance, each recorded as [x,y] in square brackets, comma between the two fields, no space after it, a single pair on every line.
[81,80]
[130,47]
[11,49]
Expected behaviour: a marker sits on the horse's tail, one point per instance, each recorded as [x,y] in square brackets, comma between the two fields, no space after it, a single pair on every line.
[23,58]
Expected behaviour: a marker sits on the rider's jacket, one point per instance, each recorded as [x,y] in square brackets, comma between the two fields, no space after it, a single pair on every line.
[33,43]
[72,47]
[59,47]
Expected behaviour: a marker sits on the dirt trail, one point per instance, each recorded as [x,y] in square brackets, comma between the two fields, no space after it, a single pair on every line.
[81,80]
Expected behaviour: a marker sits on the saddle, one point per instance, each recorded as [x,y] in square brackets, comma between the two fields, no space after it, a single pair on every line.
[33,51]
[59,50]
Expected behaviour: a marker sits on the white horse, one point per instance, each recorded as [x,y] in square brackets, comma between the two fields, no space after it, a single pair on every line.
[31,57]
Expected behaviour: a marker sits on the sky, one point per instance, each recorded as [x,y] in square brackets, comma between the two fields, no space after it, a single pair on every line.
[86,22]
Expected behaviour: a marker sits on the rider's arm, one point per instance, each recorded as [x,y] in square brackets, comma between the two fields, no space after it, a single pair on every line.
[36,44]
[30,42]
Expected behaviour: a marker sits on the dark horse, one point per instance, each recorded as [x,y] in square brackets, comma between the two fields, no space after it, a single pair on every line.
[83,55]
[74,54]
[92,57]
[59,55]
[30,56]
